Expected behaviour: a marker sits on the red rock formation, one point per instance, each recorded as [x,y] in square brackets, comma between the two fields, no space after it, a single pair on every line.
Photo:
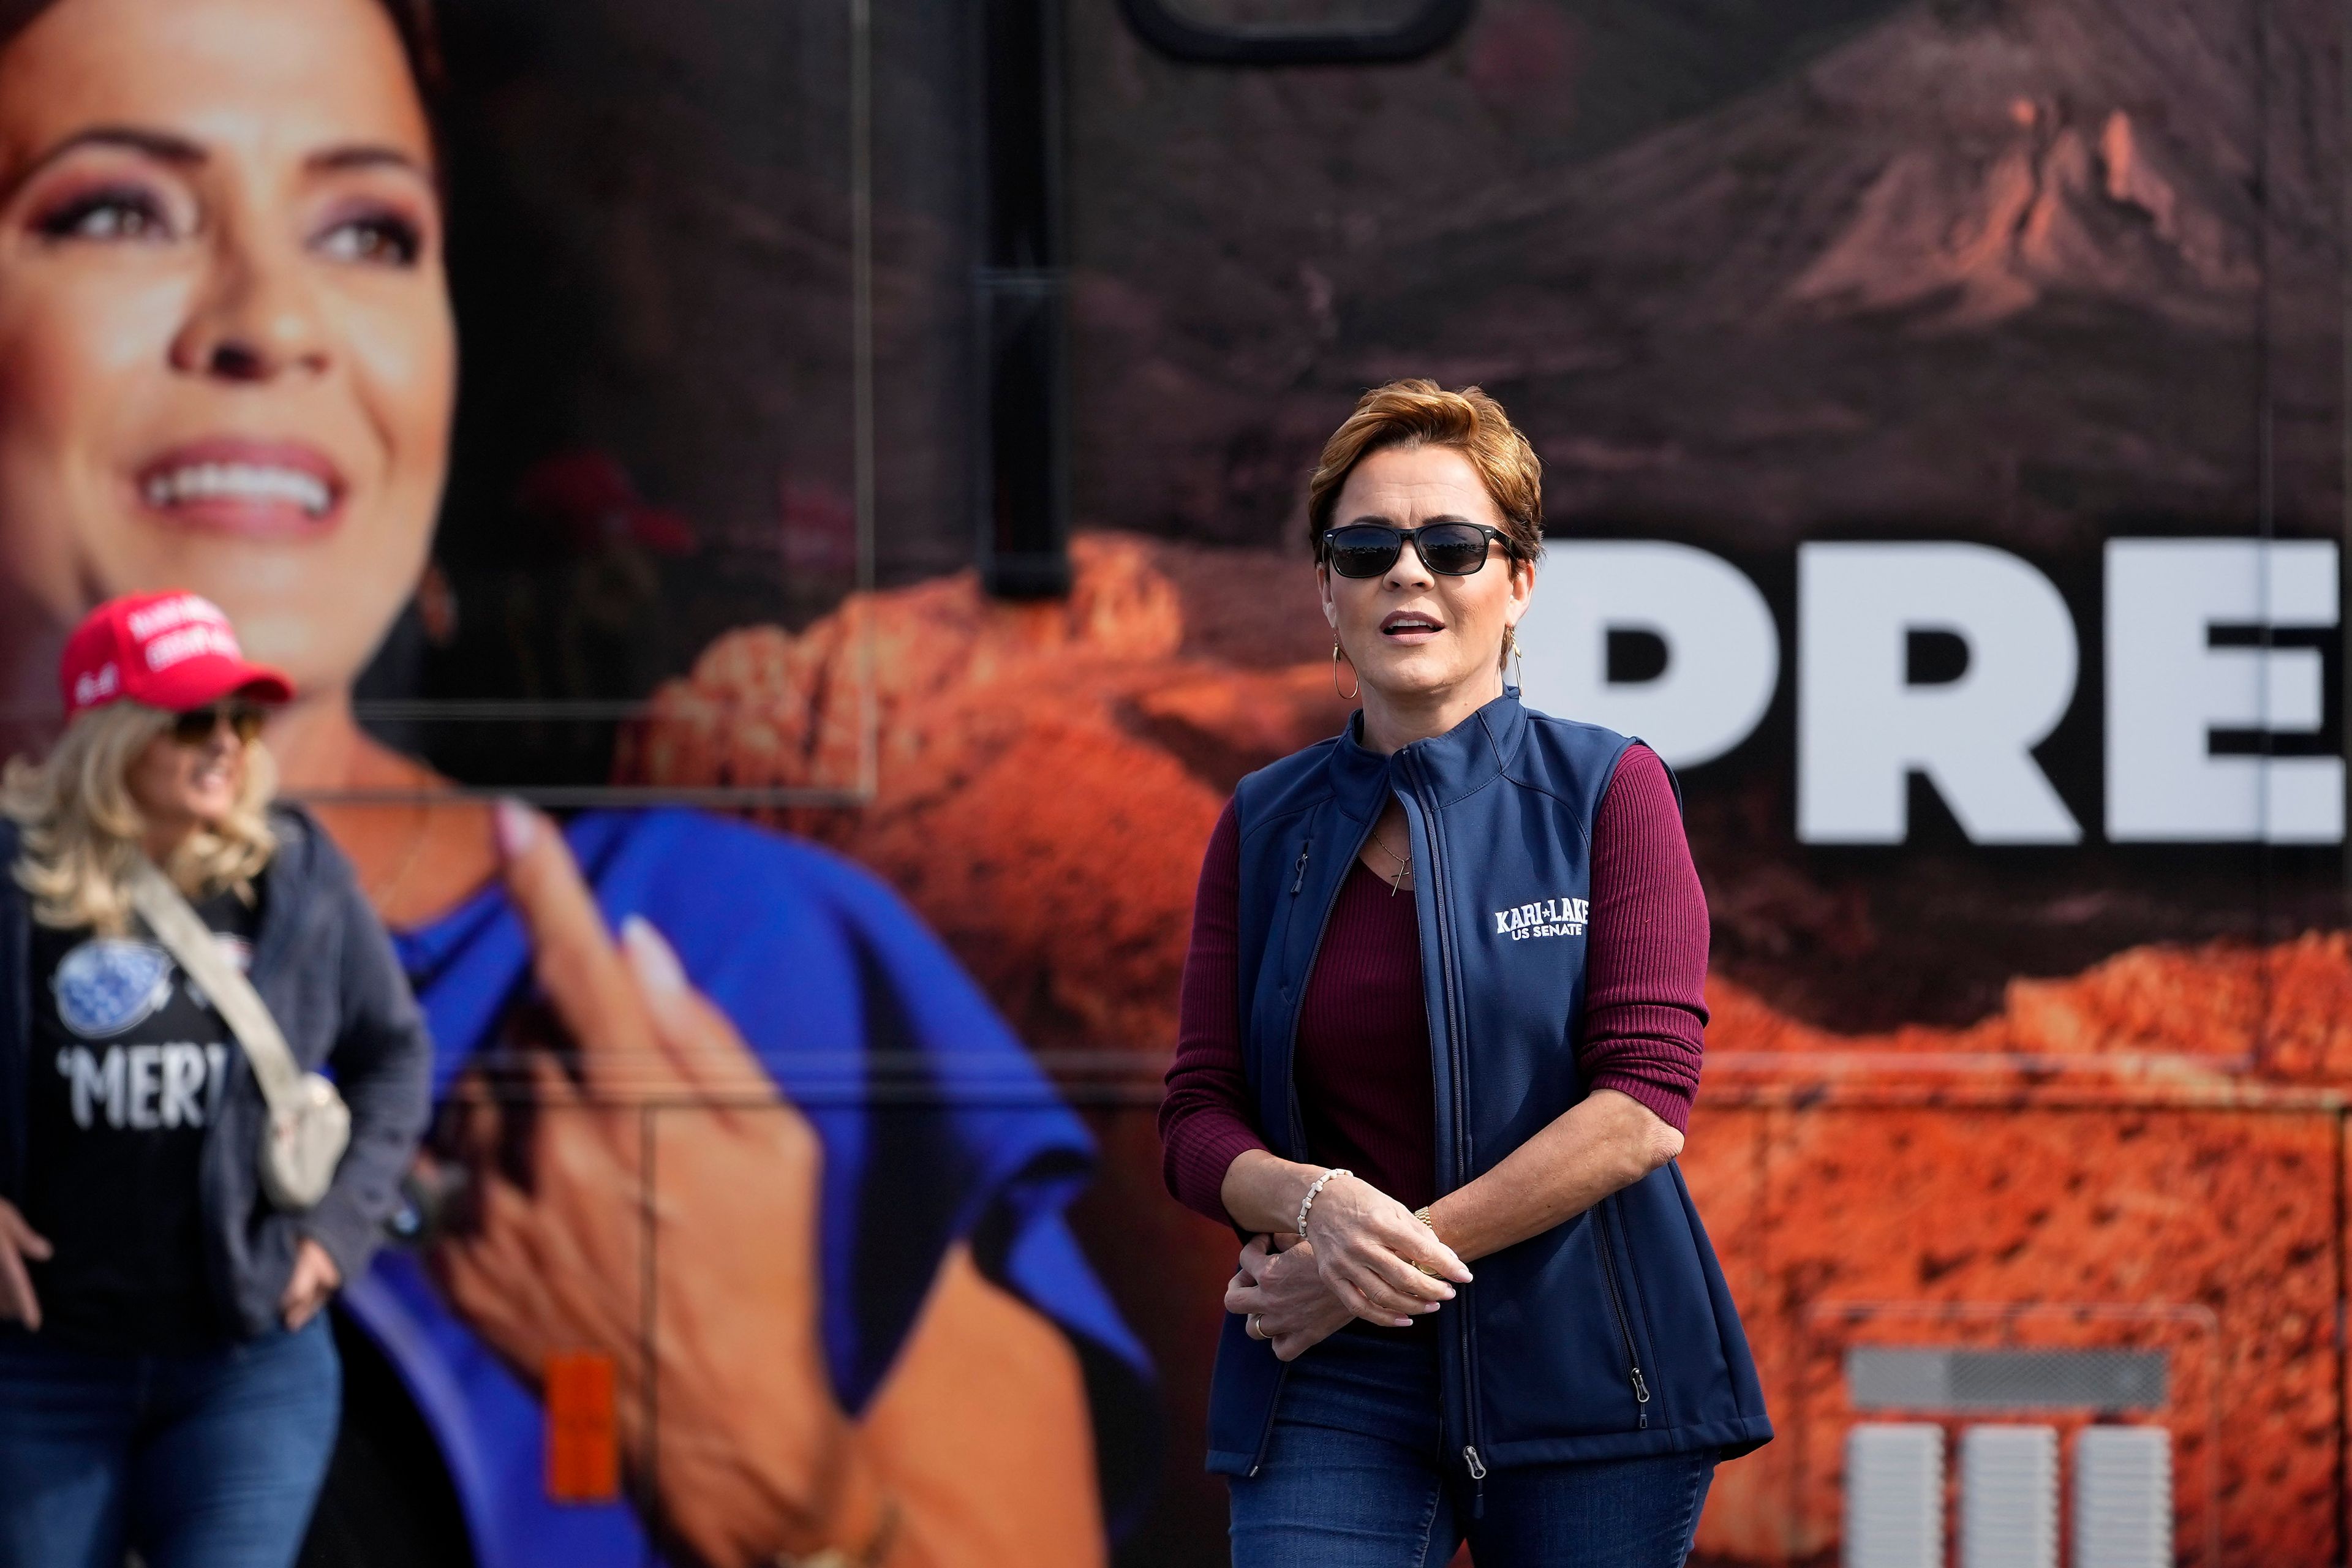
[1046,773]
[2113,1160]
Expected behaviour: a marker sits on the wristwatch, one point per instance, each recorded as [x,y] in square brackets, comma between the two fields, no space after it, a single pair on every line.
[1422,1213]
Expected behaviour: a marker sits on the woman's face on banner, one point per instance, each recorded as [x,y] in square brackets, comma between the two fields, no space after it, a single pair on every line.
[226,355]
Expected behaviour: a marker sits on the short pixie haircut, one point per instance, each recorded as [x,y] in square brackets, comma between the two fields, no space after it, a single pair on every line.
[1419,413]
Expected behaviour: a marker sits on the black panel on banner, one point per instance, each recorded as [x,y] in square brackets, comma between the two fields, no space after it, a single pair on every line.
[1426,30]
[1022,304]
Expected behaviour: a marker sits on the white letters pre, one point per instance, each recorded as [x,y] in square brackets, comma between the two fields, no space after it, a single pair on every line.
[2168,689]
[1863,727]
[1723,651]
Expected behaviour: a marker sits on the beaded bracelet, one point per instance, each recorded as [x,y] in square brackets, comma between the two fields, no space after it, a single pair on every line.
[1313,1193]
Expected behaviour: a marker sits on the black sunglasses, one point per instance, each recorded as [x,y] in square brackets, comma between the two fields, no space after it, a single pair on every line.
[1369,549]
[197,726]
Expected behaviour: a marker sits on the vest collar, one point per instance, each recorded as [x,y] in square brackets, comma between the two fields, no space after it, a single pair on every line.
[1465,757]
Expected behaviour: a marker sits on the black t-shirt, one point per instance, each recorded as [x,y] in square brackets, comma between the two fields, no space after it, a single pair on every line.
[127,1063]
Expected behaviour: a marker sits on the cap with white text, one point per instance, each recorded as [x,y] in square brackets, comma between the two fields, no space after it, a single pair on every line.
[171,650]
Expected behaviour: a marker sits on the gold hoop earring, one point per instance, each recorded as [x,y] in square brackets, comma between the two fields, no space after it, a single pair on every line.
[1511,649]
[1344,696]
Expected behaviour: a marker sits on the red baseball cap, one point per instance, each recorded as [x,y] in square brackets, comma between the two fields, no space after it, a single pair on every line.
[171,650]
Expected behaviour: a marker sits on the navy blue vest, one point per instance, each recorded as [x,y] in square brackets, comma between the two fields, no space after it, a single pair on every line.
[1610,1335]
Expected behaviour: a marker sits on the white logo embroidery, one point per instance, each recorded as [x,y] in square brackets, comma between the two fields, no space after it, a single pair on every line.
[188,642]
[94,685]
[176,611]
[1547,917]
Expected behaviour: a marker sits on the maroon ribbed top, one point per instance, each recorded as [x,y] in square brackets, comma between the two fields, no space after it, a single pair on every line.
[1362,1059]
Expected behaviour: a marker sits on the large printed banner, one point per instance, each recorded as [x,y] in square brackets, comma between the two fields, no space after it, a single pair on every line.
[1942,406]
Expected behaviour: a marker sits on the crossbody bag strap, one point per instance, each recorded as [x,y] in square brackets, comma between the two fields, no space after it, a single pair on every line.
[186,937]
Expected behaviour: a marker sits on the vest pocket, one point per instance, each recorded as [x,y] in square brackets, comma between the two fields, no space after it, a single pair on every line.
[1622,1289]
[1553,1361]
[1673,1304]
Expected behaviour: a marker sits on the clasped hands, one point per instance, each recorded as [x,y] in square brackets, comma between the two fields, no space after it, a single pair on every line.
[1365,1256]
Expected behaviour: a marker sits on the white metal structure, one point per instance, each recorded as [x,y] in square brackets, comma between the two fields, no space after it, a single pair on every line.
[2008,1497]
[1894,1496]
[2123,1497]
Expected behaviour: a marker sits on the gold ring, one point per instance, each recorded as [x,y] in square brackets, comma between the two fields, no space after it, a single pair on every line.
[1249,1326]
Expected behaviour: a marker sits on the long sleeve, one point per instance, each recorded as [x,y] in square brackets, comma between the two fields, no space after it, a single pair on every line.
[383,1061]
[1645,959]
[1204,1120]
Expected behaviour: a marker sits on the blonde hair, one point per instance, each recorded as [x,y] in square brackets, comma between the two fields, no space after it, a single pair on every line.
[1419,413]
[82,829]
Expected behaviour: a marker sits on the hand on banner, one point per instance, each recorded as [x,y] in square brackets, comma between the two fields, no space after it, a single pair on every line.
[1286,1296]
[18,1241]
[664,1122]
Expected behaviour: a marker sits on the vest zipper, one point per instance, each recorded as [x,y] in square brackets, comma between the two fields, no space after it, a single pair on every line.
[1298,1003]
[1298,1119]
[1265,1435]
[1617,1306]
[1457,1067]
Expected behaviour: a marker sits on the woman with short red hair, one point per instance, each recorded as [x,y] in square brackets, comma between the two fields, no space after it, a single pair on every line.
[1443,1006]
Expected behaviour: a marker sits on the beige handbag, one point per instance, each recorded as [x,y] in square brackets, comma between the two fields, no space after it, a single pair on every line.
[309,1125]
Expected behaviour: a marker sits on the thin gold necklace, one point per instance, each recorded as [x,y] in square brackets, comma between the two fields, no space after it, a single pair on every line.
[1403,866]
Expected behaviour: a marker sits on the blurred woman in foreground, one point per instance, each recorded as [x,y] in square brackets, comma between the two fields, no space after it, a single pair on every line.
[169,1382]
[227,360]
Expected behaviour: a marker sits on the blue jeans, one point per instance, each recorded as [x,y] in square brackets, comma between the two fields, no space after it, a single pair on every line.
[199,1461]
[1355,1477]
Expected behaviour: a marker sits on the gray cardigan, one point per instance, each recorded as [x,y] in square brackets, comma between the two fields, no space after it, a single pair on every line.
[323,963]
